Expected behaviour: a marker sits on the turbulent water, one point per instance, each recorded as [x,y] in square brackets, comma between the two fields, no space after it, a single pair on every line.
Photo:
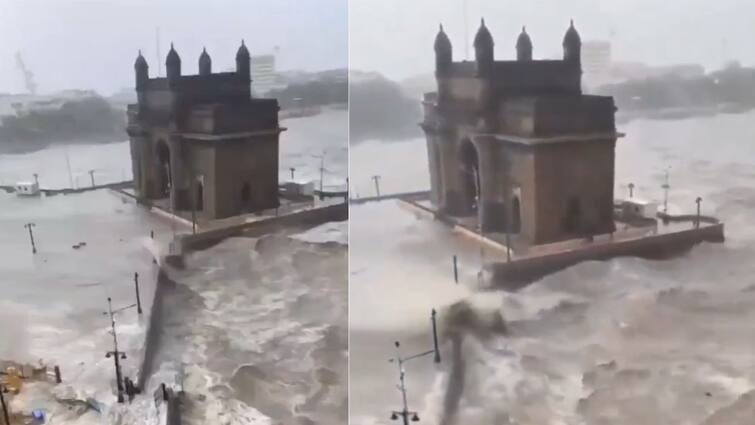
[626,341]
[277,303]
[258,325]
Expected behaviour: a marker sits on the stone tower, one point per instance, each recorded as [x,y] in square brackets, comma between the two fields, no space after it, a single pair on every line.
[201,142]
[515,144]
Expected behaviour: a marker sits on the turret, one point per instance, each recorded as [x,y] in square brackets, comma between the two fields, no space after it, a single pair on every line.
[243,66]
[172,64]
[205,63]
[524,46]
[572,45]
[483,48]
[443,52]
[142,71]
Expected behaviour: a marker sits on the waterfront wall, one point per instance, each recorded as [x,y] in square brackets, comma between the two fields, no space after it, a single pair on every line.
[519,272]
[146,367]
[311,217]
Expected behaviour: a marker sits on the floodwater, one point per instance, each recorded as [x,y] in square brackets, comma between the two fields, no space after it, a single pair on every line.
[55,299]
[625,341]
[258,327]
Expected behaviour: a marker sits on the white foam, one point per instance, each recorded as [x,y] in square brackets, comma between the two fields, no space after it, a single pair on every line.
[335,231]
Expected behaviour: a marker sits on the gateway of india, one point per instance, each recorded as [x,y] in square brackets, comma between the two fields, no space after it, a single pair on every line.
[201,141]
[516,147]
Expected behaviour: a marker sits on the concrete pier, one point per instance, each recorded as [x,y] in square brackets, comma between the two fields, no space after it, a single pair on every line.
[668,236]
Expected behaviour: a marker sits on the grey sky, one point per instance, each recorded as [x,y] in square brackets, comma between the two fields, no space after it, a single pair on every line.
[92,44]
[395,37]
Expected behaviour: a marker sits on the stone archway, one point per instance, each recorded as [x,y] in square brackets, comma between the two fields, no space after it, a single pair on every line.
[469,177]
[164,172]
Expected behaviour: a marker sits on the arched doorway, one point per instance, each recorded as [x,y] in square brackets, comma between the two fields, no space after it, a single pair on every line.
[469,176]
[164,174]
[246,196]
[516,216]
[573,217]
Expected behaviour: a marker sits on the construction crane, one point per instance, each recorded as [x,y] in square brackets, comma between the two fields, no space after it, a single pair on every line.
[31,86]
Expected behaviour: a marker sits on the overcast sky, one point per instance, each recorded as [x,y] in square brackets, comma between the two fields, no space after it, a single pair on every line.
[395,37]
[92,44]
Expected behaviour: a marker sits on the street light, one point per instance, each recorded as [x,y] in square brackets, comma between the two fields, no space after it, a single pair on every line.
[405,413]
[698,201]
[665,186]
[3,389]
[31,237]
[117,355]
[376,179]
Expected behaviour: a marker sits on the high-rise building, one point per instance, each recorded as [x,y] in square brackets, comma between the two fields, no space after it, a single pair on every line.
[596,61]
[264,75]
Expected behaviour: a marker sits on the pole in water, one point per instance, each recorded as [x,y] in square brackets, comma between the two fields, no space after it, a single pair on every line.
[31,237]
[698,201]
[456,271]
[58,378]
[4,406]
[292,169]
[91,176]
[138,299]
[435,337]
[377,185]
[665,187]
[631,190]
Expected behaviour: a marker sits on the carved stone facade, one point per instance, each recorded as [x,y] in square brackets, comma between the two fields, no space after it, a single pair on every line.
[202,141]
[517,143]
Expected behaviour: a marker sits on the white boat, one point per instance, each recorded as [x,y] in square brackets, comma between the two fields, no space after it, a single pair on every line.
[27,189]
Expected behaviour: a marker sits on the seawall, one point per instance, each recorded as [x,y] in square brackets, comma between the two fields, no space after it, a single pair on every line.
[522,271]
[312,217]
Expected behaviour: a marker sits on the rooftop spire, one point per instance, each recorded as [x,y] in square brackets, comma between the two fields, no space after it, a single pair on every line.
[483,39]
[205,63]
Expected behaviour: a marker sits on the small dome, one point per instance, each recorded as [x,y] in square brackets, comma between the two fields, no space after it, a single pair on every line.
[205,63]
[442,43]
[243,52]
[524,41]
[571,38]
[173,58]
[140,63]
[483,39]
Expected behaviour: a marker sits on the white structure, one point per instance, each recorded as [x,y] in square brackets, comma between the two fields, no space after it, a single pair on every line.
[264,75]
[596,61]
[638,208]
[303,188]
[27,189]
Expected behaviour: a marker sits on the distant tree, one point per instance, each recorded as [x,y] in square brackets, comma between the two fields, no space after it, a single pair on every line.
[378,109]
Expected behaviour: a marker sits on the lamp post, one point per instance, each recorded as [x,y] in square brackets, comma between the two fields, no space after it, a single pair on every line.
[138,299]
[405,413]
[3,389]
[631,190]
[115,353]
[31,237]
[698,201]
[292,169]
[376,179]
[665,186]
